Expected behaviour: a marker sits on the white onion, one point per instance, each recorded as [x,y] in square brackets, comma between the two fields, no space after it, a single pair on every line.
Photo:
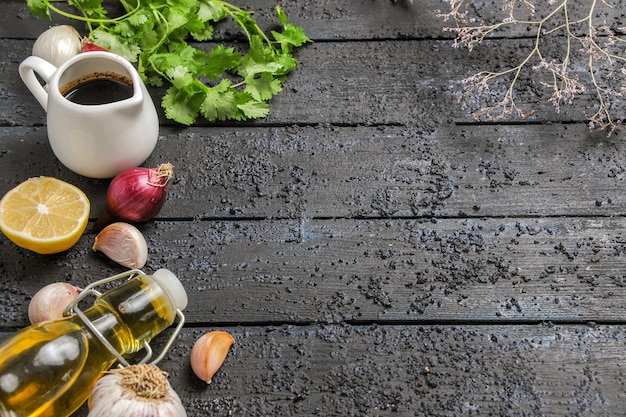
[58,44]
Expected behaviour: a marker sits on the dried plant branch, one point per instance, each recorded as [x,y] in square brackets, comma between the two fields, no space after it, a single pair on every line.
[580,40]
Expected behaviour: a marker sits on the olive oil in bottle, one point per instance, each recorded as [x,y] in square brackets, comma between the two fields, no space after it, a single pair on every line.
[48,369]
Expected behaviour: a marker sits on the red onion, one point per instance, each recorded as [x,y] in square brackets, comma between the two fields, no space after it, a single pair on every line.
[88,46]
[136,195]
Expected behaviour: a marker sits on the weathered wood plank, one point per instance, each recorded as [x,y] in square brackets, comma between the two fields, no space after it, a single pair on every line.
[322,20]
[326,20]
[325,171]
[331,90]
[539,370]
[465,270]
[412,83]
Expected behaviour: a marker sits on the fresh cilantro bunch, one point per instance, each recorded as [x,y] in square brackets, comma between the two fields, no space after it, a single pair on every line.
[220,84]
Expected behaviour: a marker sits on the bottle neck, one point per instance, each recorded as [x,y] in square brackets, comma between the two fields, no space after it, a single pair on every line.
[132,314]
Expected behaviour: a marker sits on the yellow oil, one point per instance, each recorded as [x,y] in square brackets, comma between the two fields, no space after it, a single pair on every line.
[48,370]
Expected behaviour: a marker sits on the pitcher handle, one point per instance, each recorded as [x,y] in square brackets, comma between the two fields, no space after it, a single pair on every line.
[44,69]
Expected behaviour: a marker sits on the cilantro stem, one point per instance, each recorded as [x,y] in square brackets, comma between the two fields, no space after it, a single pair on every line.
[88,19]
[235,13]
[159,17]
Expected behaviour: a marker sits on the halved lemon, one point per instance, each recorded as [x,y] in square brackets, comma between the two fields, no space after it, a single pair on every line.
[44,214]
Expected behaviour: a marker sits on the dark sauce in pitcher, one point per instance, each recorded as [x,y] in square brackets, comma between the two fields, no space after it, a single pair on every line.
[97,91]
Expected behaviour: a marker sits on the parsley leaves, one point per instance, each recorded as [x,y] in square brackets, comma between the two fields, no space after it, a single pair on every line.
[221,84]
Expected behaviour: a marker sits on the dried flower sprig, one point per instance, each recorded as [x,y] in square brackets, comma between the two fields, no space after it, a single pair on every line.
[582,39]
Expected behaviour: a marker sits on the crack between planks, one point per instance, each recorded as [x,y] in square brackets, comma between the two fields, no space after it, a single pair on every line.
[407,323]
[373,218]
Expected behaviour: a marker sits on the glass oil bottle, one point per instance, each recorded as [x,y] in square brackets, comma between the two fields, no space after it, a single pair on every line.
[48,369]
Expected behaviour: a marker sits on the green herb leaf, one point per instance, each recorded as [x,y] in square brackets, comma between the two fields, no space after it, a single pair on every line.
[221,59]
[91,8]
[115,44]
[252,109]
[263,87]
[177,108]
[211,11]
[220,102]
[180,77]
[39,8]
[291,36]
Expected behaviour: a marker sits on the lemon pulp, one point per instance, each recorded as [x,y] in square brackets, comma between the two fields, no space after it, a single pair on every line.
[44,214]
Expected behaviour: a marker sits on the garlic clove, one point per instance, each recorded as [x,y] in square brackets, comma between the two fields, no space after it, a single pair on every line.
[209,352]
[123,243]
[50,301]
[57,44]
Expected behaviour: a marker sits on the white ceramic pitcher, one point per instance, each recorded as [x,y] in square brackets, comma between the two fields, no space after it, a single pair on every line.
[94,140]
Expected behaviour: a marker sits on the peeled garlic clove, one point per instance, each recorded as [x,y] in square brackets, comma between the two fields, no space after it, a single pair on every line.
[123,243]
[209,352]
[50,301]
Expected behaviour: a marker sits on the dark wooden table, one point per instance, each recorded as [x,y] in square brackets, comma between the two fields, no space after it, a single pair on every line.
[373,250]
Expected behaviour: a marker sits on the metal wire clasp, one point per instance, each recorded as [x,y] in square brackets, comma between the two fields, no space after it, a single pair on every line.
[74,309]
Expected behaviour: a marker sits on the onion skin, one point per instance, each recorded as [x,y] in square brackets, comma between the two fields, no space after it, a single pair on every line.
[88,46]
[136,195]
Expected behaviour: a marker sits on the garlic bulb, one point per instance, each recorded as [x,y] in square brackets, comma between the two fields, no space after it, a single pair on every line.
[58,44]
[209,352]
[50,301]
[137,390]
[124,244]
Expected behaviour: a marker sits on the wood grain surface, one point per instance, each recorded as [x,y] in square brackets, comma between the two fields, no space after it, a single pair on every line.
[373,249]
